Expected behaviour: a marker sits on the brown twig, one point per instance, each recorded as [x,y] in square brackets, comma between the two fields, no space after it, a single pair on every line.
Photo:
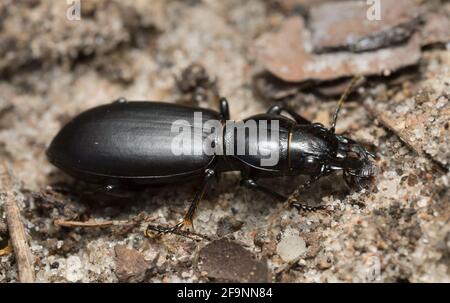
[68,223]
[16,228]
[93,223]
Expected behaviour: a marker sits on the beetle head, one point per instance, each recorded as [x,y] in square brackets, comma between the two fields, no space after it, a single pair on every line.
[363,177]
[357,164]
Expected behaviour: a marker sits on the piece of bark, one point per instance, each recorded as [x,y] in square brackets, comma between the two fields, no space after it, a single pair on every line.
[285,55]
[225,260]
[436,29]
[346,25]
[130,264]
[16,228]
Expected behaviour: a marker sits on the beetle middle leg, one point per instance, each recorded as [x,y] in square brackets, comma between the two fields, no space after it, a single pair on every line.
[252,184]
[189,216]
[224,108]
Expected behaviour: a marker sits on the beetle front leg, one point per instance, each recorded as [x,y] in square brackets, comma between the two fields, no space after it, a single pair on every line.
[252,184]
[292,201]
[189,216]
[294,197]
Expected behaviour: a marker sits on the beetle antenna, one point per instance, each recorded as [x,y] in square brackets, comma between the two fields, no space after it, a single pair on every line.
[344,96]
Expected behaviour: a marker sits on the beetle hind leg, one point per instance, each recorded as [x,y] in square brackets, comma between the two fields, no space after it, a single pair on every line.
[187,221]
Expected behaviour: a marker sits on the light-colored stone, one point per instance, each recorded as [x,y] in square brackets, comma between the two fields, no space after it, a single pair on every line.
[291,245]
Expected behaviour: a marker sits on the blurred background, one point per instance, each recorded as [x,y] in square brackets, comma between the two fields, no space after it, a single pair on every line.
[59,58]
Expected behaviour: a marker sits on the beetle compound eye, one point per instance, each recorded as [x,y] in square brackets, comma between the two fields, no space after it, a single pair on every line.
[369,170]
[353,155]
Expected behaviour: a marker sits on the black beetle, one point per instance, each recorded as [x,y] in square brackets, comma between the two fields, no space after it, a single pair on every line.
[129,143]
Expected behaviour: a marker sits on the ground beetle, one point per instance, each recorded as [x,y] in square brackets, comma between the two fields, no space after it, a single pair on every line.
[129,143]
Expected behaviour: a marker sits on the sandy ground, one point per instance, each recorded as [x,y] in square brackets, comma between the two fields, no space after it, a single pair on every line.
[52,69]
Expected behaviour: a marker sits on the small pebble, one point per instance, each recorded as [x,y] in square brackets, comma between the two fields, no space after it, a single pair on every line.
[291,245]
[74,269]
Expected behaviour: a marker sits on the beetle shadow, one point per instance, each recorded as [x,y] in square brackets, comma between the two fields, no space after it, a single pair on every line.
[122,202]
[329,186]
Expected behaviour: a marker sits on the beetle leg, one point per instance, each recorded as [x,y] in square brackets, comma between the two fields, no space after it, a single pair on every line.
[189,216]
[250,183]
[294,197]
[165,230]
[307,208]
[278,109]
[224,109]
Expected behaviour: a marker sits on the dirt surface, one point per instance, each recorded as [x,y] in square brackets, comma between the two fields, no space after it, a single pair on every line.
[52,68]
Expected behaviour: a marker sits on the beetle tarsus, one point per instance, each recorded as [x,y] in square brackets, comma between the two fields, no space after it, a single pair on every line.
[165,229]
[307,208]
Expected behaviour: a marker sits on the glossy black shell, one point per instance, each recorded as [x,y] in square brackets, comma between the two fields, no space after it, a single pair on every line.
[270,147]
[128,142]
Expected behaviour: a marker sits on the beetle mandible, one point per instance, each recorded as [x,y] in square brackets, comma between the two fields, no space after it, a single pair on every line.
[130,143]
